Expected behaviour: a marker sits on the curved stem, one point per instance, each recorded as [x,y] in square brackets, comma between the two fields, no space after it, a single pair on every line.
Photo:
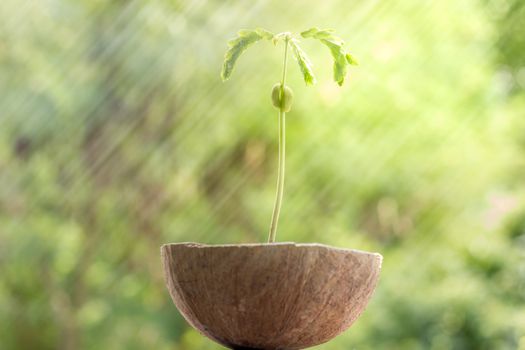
[280,173]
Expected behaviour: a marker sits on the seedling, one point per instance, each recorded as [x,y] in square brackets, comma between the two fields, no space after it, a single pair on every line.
[282,95]
[272,296]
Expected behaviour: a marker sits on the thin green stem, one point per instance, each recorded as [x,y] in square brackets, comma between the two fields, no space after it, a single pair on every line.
[283,81]
[282,141]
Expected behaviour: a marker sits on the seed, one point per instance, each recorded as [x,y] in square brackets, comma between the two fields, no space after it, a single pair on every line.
[286,104]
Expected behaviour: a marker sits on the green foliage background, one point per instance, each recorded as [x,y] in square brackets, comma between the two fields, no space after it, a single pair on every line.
[117,135]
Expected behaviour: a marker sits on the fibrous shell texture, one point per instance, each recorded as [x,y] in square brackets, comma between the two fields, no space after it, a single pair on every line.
[269,296]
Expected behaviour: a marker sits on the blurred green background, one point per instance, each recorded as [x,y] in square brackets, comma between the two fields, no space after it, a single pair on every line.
[117,135]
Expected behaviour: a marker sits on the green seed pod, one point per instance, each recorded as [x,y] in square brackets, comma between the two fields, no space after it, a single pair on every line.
[286,104]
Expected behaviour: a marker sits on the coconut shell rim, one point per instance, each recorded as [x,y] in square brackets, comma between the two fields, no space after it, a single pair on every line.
[196,245]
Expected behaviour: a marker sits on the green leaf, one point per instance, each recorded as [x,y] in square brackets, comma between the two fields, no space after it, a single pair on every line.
[325,34]
[335,44]
[264,33]
[304,62]
[245,39]
[310,32]
[351,59]
[340,62]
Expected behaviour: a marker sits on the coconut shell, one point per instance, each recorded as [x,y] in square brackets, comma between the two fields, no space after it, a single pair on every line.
[269,296]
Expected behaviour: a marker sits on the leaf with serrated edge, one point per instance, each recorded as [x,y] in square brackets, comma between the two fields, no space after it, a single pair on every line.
[304,62]
[339,57]
[265,33]
[351,60]
[246,38]
[310,32]
[237,46]
[335,44]
[326,34]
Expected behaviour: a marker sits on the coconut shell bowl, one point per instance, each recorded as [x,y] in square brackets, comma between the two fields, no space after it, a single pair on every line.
[273,296]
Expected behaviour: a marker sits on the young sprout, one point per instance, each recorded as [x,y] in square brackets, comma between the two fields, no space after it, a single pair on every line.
[282,95]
